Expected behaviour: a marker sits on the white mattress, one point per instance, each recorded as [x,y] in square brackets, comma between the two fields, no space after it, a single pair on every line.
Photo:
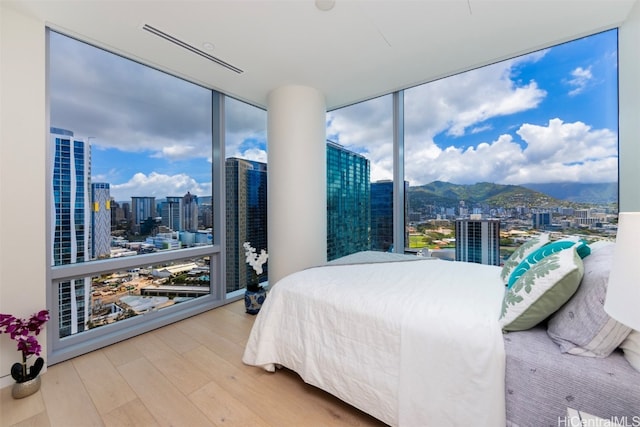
[411,343]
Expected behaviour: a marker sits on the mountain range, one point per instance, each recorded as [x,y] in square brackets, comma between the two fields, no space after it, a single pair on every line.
[600,193]
[491,195]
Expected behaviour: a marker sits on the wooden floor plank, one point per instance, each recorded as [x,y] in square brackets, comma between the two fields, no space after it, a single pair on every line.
[209,336]
[39,420]
[334,411]
[175,338]
[175,368]
[131,414]
[224,408]
[122,352]
[66,398]
[187,374]
[166,403]
[14,411]
[103,382]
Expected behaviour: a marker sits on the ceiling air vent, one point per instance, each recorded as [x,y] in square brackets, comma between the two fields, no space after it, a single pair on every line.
[190,48]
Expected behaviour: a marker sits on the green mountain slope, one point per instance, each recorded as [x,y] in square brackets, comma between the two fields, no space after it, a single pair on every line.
[482,194]
[598,193]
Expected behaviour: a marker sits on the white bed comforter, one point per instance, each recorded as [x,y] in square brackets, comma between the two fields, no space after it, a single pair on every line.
[411,343]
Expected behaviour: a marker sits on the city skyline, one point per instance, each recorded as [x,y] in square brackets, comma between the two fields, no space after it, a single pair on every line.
[543,117]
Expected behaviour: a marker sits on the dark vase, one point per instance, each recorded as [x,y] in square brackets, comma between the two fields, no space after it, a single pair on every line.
[254,298]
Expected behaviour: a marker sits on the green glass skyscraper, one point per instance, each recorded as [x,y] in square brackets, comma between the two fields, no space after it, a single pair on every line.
[348,197]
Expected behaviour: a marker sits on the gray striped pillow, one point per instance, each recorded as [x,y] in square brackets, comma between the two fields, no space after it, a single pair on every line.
[581,326]
[631,348]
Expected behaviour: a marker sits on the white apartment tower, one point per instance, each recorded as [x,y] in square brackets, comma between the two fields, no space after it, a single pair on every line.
[71,237]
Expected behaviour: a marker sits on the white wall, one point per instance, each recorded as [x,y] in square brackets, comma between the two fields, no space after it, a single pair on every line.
[23,261]
[629,101]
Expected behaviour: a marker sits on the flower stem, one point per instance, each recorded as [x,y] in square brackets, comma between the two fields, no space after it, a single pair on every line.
[24,365]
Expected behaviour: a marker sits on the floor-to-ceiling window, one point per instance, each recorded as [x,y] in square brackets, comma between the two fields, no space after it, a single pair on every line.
[245,171]
[520,146]
[360,178]
[531,142]
[133,235]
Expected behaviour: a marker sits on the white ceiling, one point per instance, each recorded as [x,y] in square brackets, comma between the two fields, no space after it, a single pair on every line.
[357,50]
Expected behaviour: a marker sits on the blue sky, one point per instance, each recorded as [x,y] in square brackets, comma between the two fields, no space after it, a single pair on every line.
[549,116]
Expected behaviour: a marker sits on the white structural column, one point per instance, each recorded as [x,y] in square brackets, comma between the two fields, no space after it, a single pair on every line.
[297,180]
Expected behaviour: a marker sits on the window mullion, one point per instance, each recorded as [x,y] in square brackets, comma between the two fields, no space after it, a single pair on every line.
[399,210]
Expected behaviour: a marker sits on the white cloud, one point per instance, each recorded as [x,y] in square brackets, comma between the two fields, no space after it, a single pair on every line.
[491,162]
[178,152]
[366,128]
[175,123]
[128,111]
[458,105]
[466,100]
[558,152]
[479,129]
[580,78]
[364,125]
[255,154]
[566,143]
[133,108]
[246,131]
[463,105]
[159,186]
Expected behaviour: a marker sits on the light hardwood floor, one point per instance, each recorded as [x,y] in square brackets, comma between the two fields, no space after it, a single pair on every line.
[189,373]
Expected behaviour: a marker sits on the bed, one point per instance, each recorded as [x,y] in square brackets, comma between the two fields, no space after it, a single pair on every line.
[417,341]
[541,383]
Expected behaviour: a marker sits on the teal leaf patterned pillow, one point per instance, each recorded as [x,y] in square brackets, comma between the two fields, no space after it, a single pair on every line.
[541,290]
[535,256]
[521,253]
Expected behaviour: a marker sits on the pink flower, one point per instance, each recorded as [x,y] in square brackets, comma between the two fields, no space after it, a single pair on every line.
[21,330]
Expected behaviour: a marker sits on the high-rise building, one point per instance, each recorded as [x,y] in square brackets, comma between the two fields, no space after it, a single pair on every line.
[170,212]
[142,209]
[478,241]
[118,214]
[189,213]
[541,220]
[100,220]
[205,212]
[71,231]
[348,198]
[246,215]
[382,214]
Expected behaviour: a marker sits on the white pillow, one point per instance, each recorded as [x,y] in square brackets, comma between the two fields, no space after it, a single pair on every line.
[631,348]
[542,290]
